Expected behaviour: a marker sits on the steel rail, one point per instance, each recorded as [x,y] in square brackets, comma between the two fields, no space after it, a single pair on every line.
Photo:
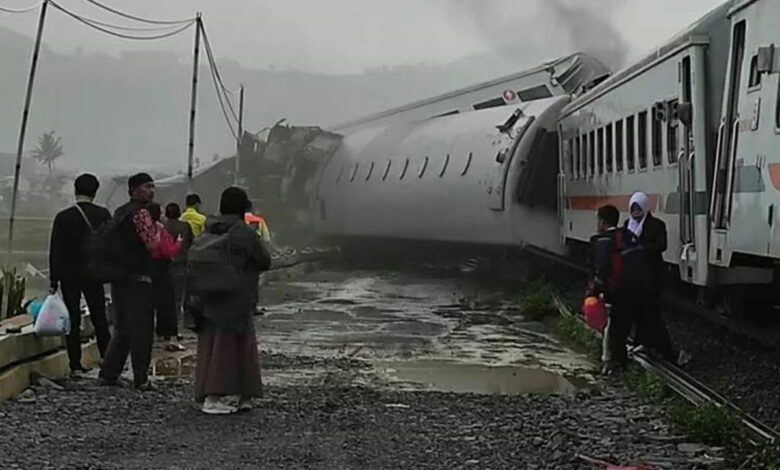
[689,388]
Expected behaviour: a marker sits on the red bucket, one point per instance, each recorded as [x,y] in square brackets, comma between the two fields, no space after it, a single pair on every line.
[595,312]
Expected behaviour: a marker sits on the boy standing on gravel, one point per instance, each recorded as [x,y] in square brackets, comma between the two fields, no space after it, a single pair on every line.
[606,248]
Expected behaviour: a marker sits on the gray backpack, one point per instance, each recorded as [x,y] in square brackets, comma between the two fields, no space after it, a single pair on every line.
[210,270]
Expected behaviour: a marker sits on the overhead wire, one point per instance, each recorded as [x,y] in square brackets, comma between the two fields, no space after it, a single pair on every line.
[100,26]
[215,71]
[20,10]
[138,18]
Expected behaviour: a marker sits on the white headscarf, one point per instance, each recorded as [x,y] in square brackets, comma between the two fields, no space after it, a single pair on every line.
[641,200]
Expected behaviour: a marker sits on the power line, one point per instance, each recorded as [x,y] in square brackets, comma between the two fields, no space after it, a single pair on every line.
[215,71]
[218,86]
[97,25]
[138,18]
[19,10]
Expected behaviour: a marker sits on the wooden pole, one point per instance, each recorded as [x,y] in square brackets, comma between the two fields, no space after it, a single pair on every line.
[23,128]
[193,102]
[239,136]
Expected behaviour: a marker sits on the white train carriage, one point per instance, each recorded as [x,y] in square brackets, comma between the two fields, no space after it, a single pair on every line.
[693,126]
[484,177]
[626,135]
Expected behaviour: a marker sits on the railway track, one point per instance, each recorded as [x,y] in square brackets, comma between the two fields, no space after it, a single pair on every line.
[691,389]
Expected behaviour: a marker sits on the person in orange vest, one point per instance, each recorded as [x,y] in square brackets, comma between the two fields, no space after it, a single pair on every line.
[258,222]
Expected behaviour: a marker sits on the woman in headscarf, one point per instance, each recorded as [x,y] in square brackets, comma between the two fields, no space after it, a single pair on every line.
[650,233]
[227,374]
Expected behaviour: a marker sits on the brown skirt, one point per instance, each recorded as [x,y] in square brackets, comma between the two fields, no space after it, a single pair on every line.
[227,364]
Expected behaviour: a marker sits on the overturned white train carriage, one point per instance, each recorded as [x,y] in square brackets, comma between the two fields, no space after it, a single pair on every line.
[696,126]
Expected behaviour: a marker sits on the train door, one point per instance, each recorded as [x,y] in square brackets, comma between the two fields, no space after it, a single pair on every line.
[728,133]
[511,135]
[688,123]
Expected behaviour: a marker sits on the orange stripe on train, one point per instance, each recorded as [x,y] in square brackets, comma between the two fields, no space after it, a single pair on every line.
[586,203]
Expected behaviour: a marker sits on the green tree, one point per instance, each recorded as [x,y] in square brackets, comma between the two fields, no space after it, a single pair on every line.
[49,149]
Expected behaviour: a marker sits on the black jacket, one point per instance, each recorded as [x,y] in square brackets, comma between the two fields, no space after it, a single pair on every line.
[136,257]
[68,244]
[654,240]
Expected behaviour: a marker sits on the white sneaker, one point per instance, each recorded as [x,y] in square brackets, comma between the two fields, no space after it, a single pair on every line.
[217,406]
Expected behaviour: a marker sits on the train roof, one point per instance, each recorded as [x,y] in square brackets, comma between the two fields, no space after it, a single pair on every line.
[702,28]
[578,69]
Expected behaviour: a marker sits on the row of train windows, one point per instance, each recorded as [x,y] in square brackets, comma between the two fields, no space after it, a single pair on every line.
[404,169]
[603,150]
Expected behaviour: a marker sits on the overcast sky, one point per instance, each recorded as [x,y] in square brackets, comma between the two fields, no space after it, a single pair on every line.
[348,36]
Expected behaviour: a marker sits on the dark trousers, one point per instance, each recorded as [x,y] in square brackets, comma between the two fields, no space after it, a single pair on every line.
[72,289]
[133,332]
[638,309]
[164,299]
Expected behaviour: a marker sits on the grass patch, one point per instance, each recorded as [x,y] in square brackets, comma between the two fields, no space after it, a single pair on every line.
[536,300]
[646,384]
[579,336]
[711,424]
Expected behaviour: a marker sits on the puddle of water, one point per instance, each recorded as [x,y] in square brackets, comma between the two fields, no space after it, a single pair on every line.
[445,376]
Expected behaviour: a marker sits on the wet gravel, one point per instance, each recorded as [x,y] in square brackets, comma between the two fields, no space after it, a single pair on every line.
[90,427]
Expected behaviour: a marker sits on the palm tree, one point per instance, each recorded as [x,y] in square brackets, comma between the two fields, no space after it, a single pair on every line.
[48,150]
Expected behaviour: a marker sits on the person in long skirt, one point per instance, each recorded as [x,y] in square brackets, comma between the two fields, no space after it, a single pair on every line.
[227,374]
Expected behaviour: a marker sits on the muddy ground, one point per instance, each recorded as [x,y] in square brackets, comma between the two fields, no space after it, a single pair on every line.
[363,369]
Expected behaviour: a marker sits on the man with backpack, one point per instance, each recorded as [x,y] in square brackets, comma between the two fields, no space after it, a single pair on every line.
[125,254]
[68,267]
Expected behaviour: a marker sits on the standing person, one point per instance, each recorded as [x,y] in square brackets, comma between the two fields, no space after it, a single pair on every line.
[227,374]
[650,234]
[607,246]
[162,281]
[134,293]
[67,267]
[183,231]
[192,214]
[258,222]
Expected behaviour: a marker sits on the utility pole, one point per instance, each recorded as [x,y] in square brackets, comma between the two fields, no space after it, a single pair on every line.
[193,101]
[240,136]
[23,128]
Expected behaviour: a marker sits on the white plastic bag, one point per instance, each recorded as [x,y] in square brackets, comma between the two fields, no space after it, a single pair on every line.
[53,319]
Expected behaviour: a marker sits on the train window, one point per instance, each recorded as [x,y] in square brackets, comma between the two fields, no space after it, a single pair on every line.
[444,167]
[490,103]
[534,93]
[354,172]
[576,155]
[630,143]
[387,170]
[341,173]
[370,171]
[468,164]
[672,135]
[642,139]
[600,144]
[403,170]
[583,156]
[592,153]
[619,145]
[609,144]
[755,75]
[423,167]
[567,150]
[657,140]
[777,108]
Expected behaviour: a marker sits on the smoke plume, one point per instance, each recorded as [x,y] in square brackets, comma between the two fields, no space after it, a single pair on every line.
[530,31]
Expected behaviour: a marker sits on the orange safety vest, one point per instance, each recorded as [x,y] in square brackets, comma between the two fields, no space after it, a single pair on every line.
[253,219]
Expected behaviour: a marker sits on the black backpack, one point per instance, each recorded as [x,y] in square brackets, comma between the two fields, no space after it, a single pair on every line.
[210,268]
[107,256]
